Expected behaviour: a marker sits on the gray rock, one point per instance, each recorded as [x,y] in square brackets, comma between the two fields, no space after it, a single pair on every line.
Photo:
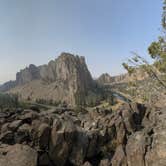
[119,158]
[18,155]
[100,138]
[44,160]
[7,137]
[135,149]
[79,148]
[43,136]
[15,125]
[87,164]
[105,162]
[62,137]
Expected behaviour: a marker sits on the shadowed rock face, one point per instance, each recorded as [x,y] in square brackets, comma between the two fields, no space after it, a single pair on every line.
[96,138]
[63,79]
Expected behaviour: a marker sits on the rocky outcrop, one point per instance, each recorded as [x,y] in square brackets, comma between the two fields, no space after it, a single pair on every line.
[105,79]
[139,74]
[65,79]
[7,86]
[66,67]
[133,135]
[27,75]
[120,78]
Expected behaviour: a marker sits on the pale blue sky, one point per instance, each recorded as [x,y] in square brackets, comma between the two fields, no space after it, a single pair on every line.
[104,31]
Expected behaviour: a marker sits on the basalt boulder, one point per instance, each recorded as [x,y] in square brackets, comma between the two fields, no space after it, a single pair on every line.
[98,138]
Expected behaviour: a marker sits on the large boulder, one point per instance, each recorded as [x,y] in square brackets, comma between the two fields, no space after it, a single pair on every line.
[62,137]
[105,162]
[156,153]
[18,155]
[43,136]
[136,149]
[119,158]
[79,149]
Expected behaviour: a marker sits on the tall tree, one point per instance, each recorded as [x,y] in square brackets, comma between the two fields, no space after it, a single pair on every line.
[157,49]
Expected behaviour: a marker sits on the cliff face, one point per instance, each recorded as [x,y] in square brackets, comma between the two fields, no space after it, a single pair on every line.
[63,79]
[67,69]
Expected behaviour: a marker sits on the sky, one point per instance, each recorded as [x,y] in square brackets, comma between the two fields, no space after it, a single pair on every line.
[104,31]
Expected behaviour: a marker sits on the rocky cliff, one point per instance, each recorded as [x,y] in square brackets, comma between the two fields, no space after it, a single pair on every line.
[64,79]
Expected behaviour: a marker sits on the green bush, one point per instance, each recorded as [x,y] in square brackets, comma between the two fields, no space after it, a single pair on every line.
[8,101]
[98,94]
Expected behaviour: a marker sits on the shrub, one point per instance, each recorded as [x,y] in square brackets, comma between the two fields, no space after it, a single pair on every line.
[8,101]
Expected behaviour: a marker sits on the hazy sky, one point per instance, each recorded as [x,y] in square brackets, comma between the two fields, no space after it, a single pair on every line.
[104,31]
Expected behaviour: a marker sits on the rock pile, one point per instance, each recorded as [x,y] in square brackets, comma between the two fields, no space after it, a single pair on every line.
[134,135]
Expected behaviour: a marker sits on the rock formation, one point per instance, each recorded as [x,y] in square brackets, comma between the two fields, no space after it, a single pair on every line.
[65,79]
[133,135]
[105,79]
[7,86]
[27,75]
[139,75]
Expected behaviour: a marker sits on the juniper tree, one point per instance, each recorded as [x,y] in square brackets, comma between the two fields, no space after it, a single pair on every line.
[157,51]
